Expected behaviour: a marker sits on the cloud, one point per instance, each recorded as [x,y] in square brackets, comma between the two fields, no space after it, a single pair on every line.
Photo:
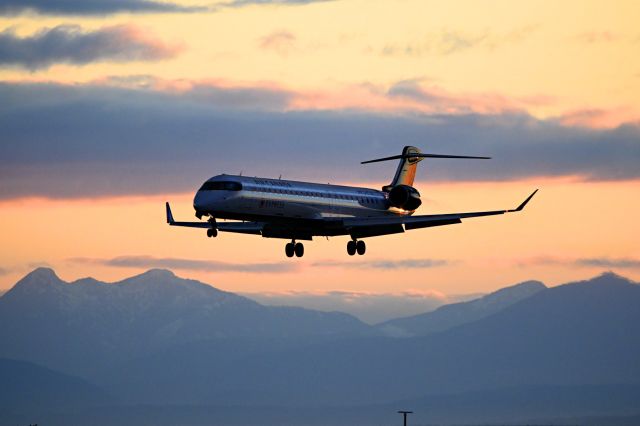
[386,264]
[415,96]
[92,7]
[598,118]
[4,271]
[72,45]
[245,3]
[218,95]
[447,42]
[102,7]
[585,262]
[436,100]
[154,137]
[186,264]
[369,307]
[606,262]
[281,42]
[593,37]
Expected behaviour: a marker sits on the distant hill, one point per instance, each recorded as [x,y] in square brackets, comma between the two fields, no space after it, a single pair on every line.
[179,346]
[573,334]
[71,326]
[577,334]
[449,316]
[27,387]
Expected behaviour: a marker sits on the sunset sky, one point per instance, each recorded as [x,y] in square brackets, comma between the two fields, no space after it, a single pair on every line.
[109,108]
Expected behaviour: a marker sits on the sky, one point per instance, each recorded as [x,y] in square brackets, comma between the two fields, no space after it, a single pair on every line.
[109,108]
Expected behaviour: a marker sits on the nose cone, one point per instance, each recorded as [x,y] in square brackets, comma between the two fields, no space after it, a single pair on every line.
[198,202]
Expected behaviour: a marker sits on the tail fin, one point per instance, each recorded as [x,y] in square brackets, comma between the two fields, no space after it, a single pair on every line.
[406,171]
[409,159]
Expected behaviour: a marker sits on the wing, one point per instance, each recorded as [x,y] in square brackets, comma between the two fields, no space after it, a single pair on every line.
[237,227]
[369,227]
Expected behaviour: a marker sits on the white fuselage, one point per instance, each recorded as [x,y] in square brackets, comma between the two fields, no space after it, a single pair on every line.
[247,198]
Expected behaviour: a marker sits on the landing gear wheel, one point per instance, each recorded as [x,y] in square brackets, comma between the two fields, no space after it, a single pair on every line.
[351,248]
[361,247]
[299,249]
[288,249]
[211,232]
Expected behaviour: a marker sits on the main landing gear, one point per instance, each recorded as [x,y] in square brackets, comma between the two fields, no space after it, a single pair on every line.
[294,248]
[297,249]
[354,246]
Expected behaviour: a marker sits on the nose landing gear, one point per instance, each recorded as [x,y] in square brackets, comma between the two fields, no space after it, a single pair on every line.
[213,231]
[294,248]
[354,246]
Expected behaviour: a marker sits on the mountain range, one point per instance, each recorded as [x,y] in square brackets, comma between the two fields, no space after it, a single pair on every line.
[455,314]
[80,322]
[155,341]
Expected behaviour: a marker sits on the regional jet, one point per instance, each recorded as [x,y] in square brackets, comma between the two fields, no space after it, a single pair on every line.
[292,210]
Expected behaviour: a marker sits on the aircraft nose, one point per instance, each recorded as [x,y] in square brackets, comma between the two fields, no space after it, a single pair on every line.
[198,202]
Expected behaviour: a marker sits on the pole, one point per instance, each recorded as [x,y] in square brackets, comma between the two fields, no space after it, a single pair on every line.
[404,415]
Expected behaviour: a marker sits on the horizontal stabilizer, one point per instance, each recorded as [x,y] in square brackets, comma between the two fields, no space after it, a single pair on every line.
[421,155]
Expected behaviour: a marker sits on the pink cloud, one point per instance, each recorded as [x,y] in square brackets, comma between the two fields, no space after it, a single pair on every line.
[409,96]
[599,118]
[151,46]
[592,37]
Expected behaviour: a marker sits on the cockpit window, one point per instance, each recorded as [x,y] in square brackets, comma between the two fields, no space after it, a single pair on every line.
[221,186]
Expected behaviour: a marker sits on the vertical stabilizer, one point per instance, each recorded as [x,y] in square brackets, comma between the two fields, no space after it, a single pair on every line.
[406,172]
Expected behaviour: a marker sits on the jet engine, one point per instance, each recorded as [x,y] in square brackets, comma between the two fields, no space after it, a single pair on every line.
[404,197]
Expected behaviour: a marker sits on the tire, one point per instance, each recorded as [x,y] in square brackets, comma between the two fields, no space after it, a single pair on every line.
[351,248]
[288,249]
[211,232]
[299,249]
[361,248]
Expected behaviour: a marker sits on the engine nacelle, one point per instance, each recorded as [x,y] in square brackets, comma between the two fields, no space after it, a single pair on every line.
[404,197]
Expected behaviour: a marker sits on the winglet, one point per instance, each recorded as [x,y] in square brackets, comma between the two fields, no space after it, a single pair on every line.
[524,203]
[169,214]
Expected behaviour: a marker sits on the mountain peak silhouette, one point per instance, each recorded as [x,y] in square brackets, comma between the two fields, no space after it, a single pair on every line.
[37,281]
[610,277]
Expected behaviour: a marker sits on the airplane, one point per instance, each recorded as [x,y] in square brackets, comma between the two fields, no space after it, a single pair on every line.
[292,210]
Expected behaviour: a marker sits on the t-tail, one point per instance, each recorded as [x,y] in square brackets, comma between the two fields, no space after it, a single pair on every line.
[406,171]
[409,159]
